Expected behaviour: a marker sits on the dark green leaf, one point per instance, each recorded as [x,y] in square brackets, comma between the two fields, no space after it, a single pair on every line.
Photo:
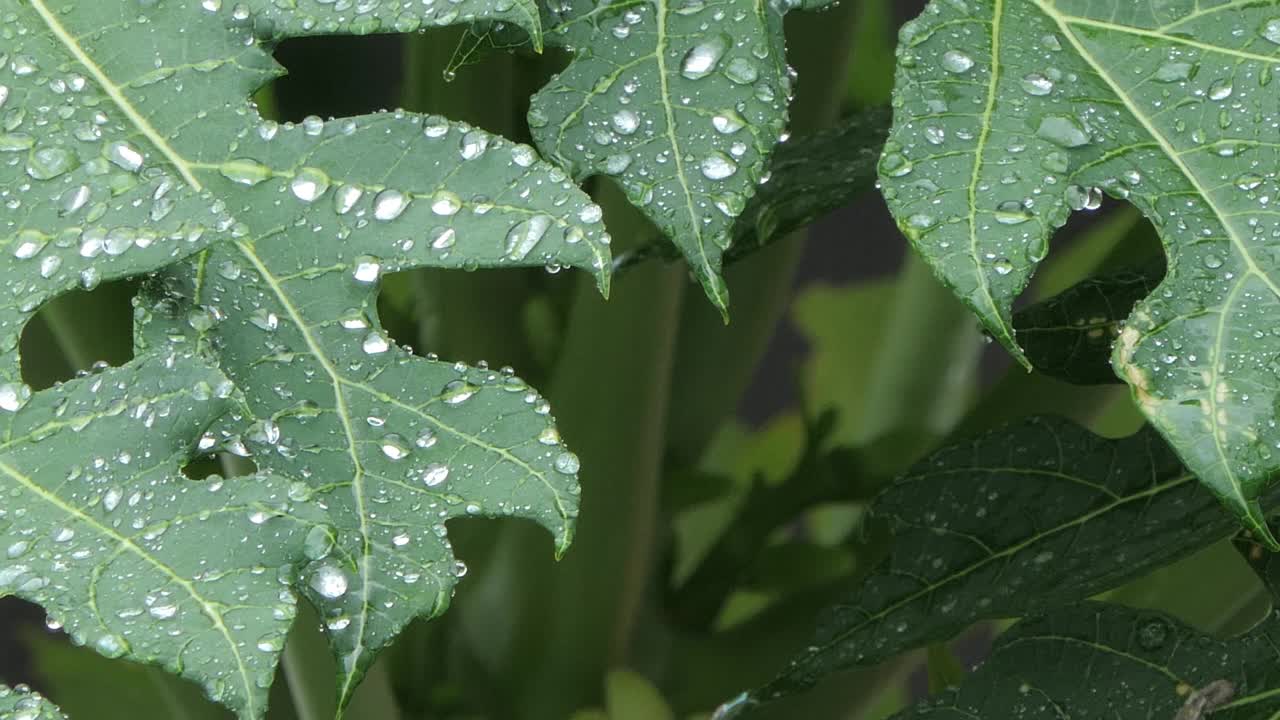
[1038,513]
[1011,114]
[1070,335]
[1102,661]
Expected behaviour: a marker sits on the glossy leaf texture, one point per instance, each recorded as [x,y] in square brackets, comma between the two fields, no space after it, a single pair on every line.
[1011,114]
[1095,660]
[1038,514]
[132,558]
[20,703]
[303,220]
[680,101]
[809,177]
[1070,335]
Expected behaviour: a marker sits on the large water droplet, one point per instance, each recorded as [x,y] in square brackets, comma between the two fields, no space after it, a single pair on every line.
[435,474]
[50,162]
[124,156]
[718,166]
[1063,130]
[389,205]
[309,184]
[245,171]
[329,581]
[701,60]
[954,61]
[526,235]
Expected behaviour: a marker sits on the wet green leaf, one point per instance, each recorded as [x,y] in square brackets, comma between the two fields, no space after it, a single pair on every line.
[1070,335]
[303,220]
[1010,115]
[1095,660]
[101,529]
[21,704]
[1037,514]
[680,101]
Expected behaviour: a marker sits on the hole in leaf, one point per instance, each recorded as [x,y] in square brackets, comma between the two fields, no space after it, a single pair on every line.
[73,332]
[336,76]
[224,465]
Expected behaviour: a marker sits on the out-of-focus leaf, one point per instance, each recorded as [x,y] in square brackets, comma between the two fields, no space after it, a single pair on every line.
[1036,514]
[630,696]
[1070,335]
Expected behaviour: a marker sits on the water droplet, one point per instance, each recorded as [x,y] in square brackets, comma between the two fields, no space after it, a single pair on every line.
[245,171]
[702,59]
[567,463]
[318,543]
[1213,262]
[329,581]
[50,162]
[625,122]
[1174,71]
[1270,30]
[457,392]
[1152,635]
[1012,212]
[13,396]
[445,203]
[1002,266]
[741,71]
[435,474]
[1220,90]
[309,184]
[112,646]
[375,343]
[389,205]
[124,156]
[718,166]
[473,144]
[1063,130]
[1036,84]
[526,235]
[368,269]
[1249,181]
[394,447]
[728,121]
[346,198]
[954,61]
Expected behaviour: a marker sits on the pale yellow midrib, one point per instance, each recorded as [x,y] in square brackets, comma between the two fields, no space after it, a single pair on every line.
[209,610]
[113,91]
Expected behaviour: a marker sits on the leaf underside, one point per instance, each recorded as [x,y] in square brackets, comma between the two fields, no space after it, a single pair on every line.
[112,171]
[1012,113]
[1038,513]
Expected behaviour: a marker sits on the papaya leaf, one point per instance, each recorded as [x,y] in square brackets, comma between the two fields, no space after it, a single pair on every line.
[1012,114]
[680,102]
[132,558]
[809,177]
[20,703]
[302,219]
[1070,335]
[1035,515]
[1097,660]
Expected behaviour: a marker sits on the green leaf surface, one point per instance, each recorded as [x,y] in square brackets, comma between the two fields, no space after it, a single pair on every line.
[307,217]
[1012,113]
[1038,513]
[680,102]
[21,703]
[809,177]
[1070,335]
[1100,661]
[132,558]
